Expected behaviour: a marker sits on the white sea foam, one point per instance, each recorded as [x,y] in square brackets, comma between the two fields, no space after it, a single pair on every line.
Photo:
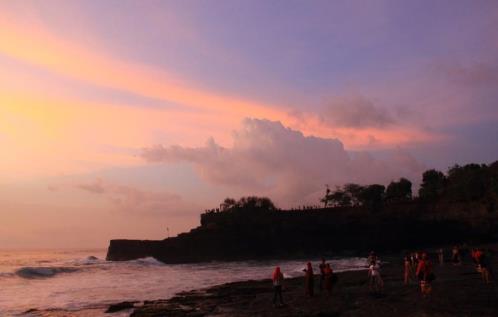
[147,261]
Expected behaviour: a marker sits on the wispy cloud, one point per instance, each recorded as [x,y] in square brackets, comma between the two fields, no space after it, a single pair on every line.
[476,74]
[37,45]
[357,112]
[133,199]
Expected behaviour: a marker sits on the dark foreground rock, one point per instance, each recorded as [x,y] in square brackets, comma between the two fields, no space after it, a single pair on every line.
[457,291]
[120,306]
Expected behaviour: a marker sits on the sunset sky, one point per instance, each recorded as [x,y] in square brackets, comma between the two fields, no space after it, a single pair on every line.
[119,119]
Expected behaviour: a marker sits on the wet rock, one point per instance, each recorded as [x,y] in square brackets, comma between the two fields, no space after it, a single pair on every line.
[120,306]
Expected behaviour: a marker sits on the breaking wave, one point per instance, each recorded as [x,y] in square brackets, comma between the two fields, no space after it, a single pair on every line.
[148,261]
[42,272]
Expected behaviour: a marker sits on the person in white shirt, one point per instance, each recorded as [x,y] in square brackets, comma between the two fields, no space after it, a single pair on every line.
[375,280]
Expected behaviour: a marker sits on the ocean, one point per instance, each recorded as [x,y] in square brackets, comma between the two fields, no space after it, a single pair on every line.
[82,283]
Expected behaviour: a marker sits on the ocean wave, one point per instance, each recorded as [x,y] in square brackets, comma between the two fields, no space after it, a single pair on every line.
[6,274]
[148,261]
[42,272]
[89,260]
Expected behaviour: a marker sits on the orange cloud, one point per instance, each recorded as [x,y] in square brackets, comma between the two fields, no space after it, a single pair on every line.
[363,138]
[43,135]
[36,45]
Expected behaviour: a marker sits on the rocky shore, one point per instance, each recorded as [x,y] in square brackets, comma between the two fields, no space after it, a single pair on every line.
[457,291]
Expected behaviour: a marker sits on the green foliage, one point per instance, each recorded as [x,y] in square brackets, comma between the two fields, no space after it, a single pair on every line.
[399,191]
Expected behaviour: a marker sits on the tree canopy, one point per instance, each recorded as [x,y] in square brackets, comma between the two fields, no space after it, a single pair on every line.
[399,191]
[471,182]
[247,203]
[432,187]
[352,195]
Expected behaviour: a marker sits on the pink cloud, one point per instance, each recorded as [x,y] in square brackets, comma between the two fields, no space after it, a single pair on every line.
[133,199]
[268,158]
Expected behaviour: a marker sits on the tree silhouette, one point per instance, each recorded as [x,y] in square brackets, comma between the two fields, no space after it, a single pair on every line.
[227,204]
[372,197]
[354,192]
[432,187]
[399,191]
[254,202]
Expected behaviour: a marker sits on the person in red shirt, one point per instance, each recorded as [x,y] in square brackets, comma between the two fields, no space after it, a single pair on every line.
[482,265]
[330,278]
[425,275]
[277,279]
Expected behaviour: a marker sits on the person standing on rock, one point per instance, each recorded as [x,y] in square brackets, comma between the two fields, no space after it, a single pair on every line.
[407,269]
[482,263]
[425,275]
[330,278]
[440,255]
[455,256]
[277,279]
[309,280]
[372,258]
[322,267]
[375,280]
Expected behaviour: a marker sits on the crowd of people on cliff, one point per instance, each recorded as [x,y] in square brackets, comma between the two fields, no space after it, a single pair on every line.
[417,267]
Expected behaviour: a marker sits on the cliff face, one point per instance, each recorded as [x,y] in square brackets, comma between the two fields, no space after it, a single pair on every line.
[280,234]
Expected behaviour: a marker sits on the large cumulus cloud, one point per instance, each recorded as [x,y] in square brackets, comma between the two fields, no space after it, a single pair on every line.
[268,158]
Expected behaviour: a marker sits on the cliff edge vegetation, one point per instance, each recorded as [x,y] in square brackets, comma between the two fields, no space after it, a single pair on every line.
[460,206]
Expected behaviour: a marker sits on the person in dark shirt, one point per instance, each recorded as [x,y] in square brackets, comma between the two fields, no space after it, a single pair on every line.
[308,280]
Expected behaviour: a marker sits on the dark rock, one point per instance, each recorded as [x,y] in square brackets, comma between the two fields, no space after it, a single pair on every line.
[455,294]
[228,236]
[120,306]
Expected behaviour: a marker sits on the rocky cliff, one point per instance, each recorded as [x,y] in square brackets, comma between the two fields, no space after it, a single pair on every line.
[283,234]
